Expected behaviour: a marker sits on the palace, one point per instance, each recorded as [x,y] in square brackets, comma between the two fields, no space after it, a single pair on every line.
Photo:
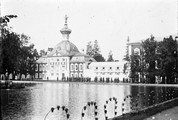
[65,60]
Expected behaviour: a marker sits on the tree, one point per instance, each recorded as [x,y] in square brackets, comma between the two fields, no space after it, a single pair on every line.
[18,55]
[10,52]
[89,50]
[94,51]
[110,57]
[149,57]
[43,52]
[96,48]
[5,19]
[135,66]
[28,57]
[99,58]
[3,26]
[167,68]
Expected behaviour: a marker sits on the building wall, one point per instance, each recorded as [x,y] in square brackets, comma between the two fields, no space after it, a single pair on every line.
[107,70]
[56,68]
[76,69]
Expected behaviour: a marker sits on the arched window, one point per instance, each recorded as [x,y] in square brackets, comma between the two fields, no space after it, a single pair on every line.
[81,67]
[72,67]
[76,74]
[76,67]
[136,51]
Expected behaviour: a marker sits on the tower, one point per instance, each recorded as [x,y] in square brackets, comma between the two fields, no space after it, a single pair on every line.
[65,31]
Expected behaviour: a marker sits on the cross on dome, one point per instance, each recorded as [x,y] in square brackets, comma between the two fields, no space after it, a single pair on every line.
[65,31]
[66,17]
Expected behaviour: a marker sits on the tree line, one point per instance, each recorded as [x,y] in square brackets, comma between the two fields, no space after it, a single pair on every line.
[18,56]
[156,60]
[93,50]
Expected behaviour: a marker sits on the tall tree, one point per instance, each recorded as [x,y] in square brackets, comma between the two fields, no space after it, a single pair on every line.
[150,56]
[96,48]
[99,58]
[135,67]
[89,49]
[110,57]
[3,31]
[93,50]
[18,55]
[167,48]
[10,52]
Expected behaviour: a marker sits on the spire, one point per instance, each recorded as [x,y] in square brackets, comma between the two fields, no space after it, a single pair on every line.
[66,17]
[65,31]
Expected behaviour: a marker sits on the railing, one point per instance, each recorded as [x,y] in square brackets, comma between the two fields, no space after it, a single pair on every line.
[136,103]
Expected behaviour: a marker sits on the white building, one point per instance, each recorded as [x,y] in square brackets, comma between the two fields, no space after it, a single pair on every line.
[107,70]
[65,60]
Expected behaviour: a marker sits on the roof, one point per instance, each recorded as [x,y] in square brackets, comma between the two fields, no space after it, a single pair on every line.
[64,48]
[107,64]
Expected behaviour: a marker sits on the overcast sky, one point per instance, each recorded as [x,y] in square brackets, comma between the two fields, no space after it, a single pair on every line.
[108,21]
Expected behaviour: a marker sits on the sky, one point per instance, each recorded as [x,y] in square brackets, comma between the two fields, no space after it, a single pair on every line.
[110,22]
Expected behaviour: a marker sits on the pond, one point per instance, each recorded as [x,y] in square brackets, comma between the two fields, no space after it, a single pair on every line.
[34,102]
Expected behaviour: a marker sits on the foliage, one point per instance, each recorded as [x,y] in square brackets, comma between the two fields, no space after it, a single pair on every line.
[149,57]
[96,48]
[93,50]
[89,50]
[6,19]
[18,55]
[99,58]
[3,24]
[110,57]
[135,66]
[43,52]
[167,50]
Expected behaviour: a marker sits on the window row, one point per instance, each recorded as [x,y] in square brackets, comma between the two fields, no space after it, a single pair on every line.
[76,75]
[110,68]
[57,63]
[76,67]
[108,73]
[63,59]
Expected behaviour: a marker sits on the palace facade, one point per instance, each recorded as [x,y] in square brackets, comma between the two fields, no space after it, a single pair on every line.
[65,60]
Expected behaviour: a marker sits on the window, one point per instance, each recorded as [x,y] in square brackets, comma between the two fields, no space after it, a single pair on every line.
[136,51]
[36,67]
[117,67]
[76,74]
[40,75]
[52,74]
[81,67]
[72,67]
[81,75]
[110,68]
[76,67]
[103,68]
[36,75]
[96,68]
[72,75]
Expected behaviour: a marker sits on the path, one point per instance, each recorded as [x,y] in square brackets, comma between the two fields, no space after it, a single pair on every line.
[170,114]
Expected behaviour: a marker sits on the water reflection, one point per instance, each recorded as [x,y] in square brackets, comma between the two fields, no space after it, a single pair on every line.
[33,103]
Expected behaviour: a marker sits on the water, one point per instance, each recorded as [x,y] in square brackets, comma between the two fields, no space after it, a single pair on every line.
[34,102]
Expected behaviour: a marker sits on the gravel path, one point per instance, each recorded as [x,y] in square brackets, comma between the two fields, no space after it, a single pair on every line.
[170,114]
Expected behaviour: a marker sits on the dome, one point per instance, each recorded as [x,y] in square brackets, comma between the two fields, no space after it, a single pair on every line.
[65,48]
[65,30]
